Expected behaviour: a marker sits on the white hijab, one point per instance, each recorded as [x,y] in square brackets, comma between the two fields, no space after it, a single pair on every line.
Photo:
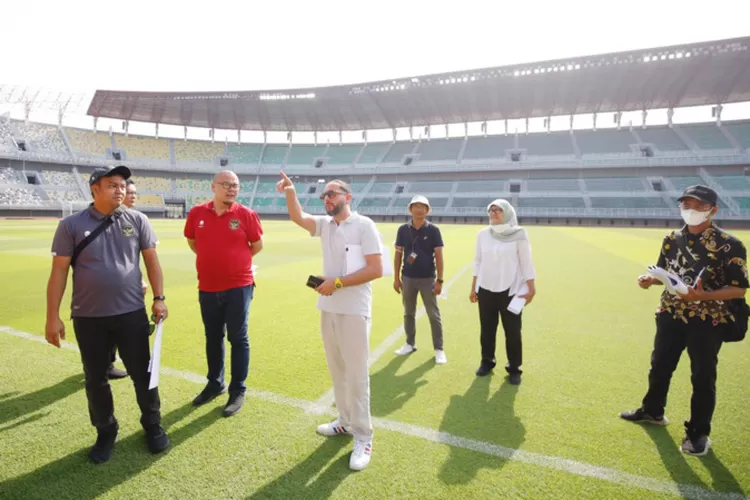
[509,230]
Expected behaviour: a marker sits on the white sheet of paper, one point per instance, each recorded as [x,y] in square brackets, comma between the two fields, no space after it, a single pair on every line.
[355,258]
[155,363]
[517,303]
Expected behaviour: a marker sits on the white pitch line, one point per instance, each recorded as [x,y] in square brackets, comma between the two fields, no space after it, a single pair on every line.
[573,467]
[326,400]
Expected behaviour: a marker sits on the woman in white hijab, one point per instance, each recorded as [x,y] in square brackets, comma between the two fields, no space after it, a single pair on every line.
[502,269]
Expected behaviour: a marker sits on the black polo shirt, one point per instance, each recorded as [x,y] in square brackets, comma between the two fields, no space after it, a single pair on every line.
[723,259]
[423,242]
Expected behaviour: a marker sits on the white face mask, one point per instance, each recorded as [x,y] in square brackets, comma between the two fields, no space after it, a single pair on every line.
[499,228]
[694,217]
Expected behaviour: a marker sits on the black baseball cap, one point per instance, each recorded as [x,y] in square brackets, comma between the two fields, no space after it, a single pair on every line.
[704,194]
[100,172]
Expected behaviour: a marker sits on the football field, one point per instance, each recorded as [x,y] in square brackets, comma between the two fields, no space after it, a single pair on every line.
[440,431]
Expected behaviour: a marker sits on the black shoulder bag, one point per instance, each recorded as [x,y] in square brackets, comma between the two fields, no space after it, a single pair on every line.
[734,331]
[109,220]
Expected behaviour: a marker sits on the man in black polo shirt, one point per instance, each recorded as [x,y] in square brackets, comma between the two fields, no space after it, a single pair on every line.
[419,245]
[712,263]
[107,305]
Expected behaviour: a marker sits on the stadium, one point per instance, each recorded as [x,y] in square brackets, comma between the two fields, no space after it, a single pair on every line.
[597,199]
[630,174]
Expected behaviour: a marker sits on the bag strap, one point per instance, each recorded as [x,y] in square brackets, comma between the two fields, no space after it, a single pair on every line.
[96,232]
[683,249]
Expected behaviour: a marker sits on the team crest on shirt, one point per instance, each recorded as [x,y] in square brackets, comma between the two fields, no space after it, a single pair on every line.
[234,224]
[127,230]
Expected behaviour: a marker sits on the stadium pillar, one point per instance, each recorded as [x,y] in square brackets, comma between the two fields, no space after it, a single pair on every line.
[315,137]
[238,136]
[466,130]
[96,119]
[594,121]
[156,130]
[341,138]
[644,114]
[716,113]
[670,114]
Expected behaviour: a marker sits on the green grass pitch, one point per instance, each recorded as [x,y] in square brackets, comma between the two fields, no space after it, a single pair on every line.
[441,432]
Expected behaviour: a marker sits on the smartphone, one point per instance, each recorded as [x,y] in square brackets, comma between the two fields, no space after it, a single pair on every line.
[314,282]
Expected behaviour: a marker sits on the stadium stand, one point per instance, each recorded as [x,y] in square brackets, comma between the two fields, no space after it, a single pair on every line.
[274,154]
[57,178]
[40,137]
[302,154]
[20,196]
[553,185]
[343,154]
[193,185]
[372,152]
[740,131]
[148,183]
[6,142]
[398,150]
[481,148]
[197,151]
[440,149]
[59,195]
[88,143]
[552,144]
[245,153]
[9,176]
[143,147]
[614,184]
[663,138]
[706,136]
[604,141]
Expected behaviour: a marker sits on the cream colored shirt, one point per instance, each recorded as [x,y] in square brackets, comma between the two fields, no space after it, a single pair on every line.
[500,265]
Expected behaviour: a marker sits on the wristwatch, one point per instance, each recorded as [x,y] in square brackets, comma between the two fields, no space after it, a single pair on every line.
[339,284]
[159,297]
[439,281]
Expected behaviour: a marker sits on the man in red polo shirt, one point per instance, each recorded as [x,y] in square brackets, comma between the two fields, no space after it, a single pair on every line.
[225,236]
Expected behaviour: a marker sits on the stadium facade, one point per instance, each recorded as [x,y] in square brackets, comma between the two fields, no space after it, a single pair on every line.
[630,175]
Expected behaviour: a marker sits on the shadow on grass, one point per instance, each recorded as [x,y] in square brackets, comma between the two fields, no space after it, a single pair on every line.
[682,472]
[32,402]
[389,391]
[74,476]
[314,477]
[476,415]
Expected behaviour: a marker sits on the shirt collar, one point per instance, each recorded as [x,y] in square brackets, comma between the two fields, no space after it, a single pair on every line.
[705,233]
[426,223]
[352,218]
[232,208]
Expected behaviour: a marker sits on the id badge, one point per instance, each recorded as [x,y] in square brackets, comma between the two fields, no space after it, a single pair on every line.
[411,258]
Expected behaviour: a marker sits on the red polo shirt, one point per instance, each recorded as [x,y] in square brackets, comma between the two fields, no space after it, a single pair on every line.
[222,242]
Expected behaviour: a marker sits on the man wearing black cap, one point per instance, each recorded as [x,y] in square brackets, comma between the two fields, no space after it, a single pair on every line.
[712,263]
[103,245]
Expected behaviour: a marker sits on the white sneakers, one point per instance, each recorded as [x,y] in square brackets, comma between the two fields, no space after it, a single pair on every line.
[333,429]
[440,358]
[406,349]
[360,457]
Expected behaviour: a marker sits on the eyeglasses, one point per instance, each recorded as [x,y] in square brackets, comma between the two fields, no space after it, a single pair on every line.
[229,185]
[495,210]
[330,194]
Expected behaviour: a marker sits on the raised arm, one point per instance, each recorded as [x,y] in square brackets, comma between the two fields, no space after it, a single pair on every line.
[296,214]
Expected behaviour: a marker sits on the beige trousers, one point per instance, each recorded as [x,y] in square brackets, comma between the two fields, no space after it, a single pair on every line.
[346,340]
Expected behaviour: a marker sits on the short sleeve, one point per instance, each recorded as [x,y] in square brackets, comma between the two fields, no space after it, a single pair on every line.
[401,237]
[63,244]
[254,228]
[438,238]
[665,247]
[319,221]
[189,231]
[370,239]
[148,238]
[736,266]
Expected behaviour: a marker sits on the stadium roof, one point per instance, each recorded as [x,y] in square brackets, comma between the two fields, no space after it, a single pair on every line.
[682,75]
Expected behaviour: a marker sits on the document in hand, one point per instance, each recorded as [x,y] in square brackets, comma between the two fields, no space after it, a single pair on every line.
[155,363]
[517,303]
[671,281]
[355,258]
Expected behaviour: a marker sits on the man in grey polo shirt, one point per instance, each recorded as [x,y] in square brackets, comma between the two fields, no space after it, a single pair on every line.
[107,305]
[351,260]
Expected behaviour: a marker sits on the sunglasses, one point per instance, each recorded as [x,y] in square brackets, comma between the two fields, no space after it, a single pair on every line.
[330,194]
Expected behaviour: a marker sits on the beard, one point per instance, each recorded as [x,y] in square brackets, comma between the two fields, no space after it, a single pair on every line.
[336,210]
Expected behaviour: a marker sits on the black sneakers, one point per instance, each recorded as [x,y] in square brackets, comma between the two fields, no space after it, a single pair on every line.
[234,404]
[156,439]
[105,443]
[640,416]
[113,373]
[208,393]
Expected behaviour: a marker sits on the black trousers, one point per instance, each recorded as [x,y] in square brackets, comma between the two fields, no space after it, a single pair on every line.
[493,308]
[703,342]
[129,333]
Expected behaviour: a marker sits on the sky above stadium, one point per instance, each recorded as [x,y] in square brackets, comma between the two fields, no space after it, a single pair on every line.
[82,45]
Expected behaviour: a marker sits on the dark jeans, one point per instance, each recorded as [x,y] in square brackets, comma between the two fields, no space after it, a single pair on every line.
[493,308]
[703,341]
[228,311]
[96,338]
